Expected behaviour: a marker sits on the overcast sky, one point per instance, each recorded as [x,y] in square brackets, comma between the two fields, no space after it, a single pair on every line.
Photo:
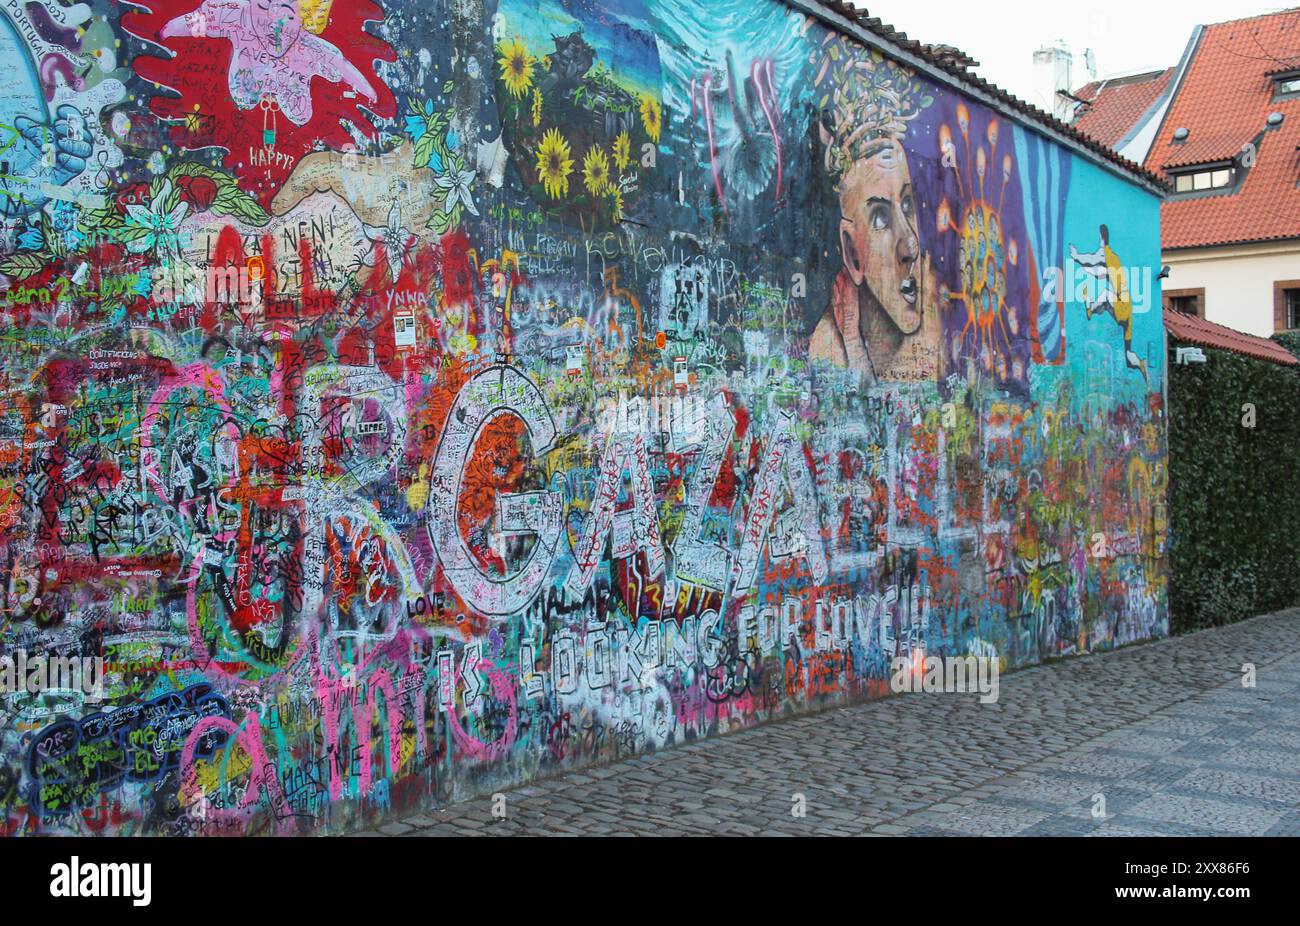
[1126,35]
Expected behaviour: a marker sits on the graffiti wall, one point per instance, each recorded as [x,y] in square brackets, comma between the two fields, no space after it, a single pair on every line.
[404,400]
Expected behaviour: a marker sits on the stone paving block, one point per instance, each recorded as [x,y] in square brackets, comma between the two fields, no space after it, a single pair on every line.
[1277,737]
[1161,774]
[1289,825]
[990,820]
[1207,813]
[1058,791]
[1259,759]
[1148,744]
[1180,726]
[1062,825]
[396,828]
[1229,783]
[1118,830]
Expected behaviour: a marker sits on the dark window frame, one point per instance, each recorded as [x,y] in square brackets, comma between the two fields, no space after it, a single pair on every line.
[1169,296]
[1228,181]
[1282,306]
[1279,83]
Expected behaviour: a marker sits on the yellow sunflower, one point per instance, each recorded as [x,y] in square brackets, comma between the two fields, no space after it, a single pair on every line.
[554,164]
[616,203]
[650,118]
[595,171]
[622,150]
[537,107]
[516,67]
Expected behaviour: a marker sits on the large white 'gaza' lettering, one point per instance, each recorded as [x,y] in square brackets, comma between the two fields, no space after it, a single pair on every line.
[497,391]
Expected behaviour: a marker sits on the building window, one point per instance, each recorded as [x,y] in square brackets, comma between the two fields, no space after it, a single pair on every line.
[1286,86]
[1196,181]
[1286,305]
[1186,301]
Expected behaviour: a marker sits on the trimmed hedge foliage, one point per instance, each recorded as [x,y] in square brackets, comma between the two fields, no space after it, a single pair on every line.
[1234,501]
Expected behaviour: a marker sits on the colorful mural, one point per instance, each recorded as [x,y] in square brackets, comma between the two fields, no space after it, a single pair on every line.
[406,400]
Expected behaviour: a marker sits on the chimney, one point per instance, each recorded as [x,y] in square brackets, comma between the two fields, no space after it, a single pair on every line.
[1052,65]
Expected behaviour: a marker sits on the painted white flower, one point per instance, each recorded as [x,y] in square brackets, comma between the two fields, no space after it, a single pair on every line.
[454,185]
[162,225]
[397,238]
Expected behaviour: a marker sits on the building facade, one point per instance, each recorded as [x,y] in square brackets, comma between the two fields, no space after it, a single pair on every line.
[1223,127]
[409,400]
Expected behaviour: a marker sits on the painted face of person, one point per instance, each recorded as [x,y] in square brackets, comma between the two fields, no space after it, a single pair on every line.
[878,239]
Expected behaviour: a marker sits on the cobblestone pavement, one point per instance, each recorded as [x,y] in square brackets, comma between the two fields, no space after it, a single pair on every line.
[1165,732]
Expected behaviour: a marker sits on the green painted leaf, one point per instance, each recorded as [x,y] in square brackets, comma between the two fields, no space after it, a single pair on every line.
[235,202]
[424,149]
[191,169]
[23,264]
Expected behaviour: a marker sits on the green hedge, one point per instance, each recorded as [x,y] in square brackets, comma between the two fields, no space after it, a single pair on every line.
[1234,491]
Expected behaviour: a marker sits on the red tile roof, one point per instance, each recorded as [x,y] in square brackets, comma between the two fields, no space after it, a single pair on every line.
[1114,106]
[1285,65]
[1224,100]
[1208,147]
[1195,330]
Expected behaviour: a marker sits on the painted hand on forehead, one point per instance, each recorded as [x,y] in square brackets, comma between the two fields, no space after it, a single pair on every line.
[274,55]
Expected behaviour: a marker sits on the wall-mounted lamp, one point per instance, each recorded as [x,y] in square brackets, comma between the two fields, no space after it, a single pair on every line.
[1186,355]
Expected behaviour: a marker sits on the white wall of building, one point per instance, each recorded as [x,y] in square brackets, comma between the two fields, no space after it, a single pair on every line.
[1238,281]
[1139,146]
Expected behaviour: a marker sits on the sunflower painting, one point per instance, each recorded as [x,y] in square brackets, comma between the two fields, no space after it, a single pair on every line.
[622,151]
[595,171]
[554,164]
[651,118]
[573,95]
[516,67]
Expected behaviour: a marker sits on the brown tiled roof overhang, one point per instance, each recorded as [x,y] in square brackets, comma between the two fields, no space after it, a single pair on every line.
[1113,108]
[1195,330]
[1208,148]
[1285,65]
[963,74]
